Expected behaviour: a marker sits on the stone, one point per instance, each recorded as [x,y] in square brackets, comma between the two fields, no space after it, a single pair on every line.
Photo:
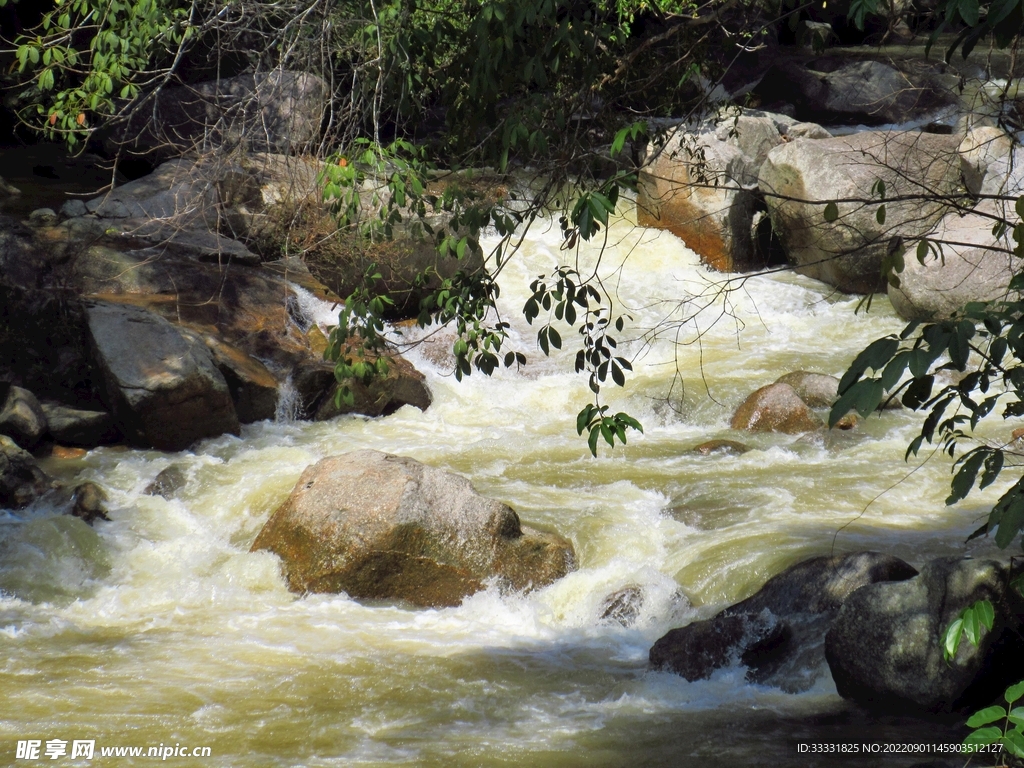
[818,390]
[89,503]
[167,484]
[21,479]
[22,417]
[160,384]
[699,188]
[254,390]
[730,447]
[278,111]
[775,408]
[403,385]
[778,632]
[378,526]
[73,426]
[988,160]
[971,264]
[623,606]
[72,209]
[42,217]
[884,652]
[867,92]
[799,178]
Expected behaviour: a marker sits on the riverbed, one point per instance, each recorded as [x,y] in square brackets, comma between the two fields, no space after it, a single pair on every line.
[161,628]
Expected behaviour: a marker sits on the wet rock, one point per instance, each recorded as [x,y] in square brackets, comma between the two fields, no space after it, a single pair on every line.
[379,526]
[73,426]
[167,484]
[775,408]
[161,385]
[730,447]
[799,178]
[818,390]
[72,209]
[699,188]
[277,111]
[623,606]
[66,454]
[89,503]
[22,417]
[21,479]
[779,631]
[884,652]
[254,390]
[42,217]
[403,385]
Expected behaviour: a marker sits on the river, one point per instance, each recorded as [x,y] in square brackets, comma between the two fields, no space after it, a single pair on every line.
[160,628]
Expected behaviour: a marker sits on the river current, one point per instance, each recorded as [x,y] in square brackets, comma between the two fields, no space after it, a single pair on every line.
[160,628]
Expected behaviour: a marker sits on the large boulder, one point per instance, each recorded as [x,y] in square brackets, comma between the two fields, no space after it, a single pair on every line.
[278,111]
[775,408]
[160,383]
[21,479]
[21,416]
[837,90]
[801,177]
[818,390]
[967,263]
[884,646]
[778,632]
[378,526]
[699,185]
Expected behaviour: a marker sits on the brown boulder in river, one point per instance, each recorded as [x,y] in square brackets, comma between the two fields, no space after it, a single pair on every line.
[380,526]
[775,408]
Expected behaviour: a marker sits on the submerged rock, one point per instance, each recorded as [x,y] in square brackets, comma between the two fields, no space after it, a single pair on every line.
[884,646]
[779,631]
[379,526]
[775,408]
[21,479]
[167,484]
[731,447]
[89,503]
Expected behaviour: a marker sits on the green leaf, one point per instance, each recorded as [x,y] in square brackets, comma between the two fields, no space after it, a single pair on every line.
[964,479]
[983,736]
[986,716]
[831,212]
[951,640]
[595,432]
[880,214]
[1013,741]
[1014,692]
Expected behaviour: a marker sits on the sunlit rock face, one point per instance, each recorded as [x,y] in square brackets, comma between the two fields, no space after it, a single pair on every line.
[381,526]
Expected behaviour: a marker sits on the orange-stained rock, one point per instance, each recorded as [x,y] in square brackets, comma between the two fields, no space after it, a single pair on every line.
[775,408]
[379,526]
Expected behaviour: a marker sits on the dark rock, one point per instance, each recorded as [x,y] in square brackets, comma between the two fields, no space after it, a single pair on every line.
[775,408]
[22,418]
[89,503]
[279,111]
[720,446]
[403,385]
[21,479]
[161,385]
[168,482]
[379,526]
[71,426]
[884,646]
[779,631]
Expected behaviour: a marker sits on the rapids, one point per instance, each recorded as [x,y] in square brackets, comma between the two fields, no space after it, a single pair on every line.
[159,627]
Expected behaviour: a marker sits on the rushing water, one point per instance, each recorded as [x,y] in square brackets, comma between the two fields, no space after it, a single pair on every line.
[159,627]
